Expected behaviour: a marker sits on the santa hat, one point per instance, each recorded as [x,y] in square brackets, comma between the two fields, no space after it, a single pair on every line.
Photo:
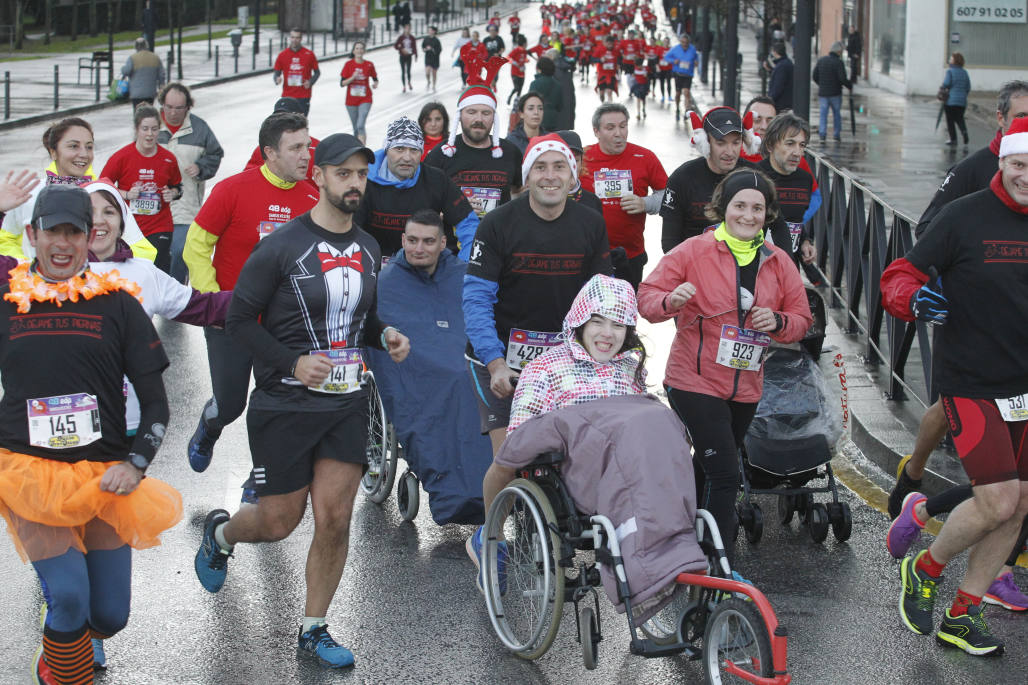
[551,142]
[478,92]
[1015,140]
[719,122]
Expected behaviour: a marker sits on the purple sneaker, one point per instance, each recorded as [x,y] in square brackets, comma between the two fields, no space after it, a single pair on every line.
[905,530]
[1005,593]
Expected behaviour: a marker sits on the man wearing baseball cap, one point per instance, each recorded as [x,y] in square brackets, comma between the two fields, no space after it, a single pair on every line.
[529,259]
[241,210]
[73,492]
[304,307]
[719,137]
[399,184]
[970,271]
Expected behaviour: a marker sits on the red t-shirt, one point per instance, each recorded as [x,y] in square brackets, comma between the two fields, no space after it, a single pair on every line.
[631,49]
[129,169]
[606,62]
[538,50]
[472,54]
[640,73]
[256,160]
[661,64]
[518,58]
[296,67]
[241,210]
[359,90]
[515,23]
[430,143]
[636,170]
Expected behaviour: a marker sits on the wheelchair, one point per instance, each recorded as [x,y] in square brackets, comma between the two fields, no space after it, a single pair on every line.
[382,447]
[728,624]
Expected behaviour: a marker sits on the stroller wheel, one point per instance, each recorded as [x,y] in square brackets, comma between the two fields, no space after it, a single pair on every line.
[817,522]
[842,520]
[755,530]
[785,509]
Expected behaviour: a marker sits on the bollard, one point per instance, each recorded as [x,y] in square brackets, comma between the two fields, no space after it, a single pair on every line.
[7,95]
[57,79]
[324,44]
[216,56]
[98,83]
[253,60]
[269,52]
[236,60]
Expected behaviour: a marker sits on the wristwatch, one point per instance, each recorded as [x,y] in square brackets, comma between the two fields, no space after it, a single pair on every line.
[138,460]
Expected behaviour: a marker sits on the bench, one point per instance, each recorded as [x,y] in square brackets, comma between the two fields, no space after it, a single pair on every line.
[95,62]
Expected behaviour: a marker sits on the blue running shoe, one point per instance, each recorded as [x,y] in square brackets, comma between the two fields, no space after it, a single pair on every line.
[201,445]
[317,642]
[474,547]
[99,658]
[249,491]
[211,562]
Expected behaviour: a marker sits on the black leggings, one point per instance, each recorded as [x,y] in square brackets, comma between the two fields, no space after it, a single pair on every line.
[405,63]
[954,119]
[947,500]
[162,243]
[717,428]
[665,83]
[519,83]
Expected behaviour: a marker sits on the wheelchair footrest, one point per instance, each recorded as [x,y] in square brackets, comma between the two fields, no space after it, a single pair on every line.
[651,650]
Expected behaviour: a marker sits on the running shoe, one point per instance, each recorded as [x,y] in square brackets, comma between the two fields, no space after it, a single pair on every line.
[41,673]
[474,547]
[211,562]
[917,597]
[904,486]
[318,643]
[969,633]
[1005,593]
[99,658]
[249,491]
[905,530]
[201,445]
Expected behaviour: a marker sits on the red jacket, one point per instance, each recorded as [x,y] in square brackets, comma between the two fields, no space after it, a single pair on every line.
[708,264]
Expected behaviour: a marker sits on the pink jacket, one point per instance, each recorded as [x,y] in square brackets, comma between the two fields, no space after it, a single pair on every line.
[710,266]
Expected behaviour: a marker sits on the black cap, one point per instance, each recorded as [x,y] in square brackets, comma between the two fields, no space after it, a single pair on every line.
[62,204]
[573,140]
[288,105]
[721,121]
[338,148]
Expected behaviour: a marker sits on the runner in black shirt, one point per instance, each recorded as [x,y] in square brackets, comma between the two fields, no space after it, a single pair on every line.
[399,185]
[67,465]
[782,146]
[719,137]
[432,48]
[528,263]
[304,306]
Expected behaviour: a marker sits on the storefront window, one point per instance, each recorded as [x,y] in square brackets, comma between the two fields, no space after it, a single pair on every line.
[889,32]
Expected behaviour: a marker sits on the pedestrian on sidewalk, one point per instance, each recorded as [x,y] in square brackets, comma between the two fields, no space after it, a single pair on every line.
[854,49]
[296,68]
[830,76]
[358,76]
[956,86]
[779,88]
[199,156]
[407,46]
[145,73]
[147,176]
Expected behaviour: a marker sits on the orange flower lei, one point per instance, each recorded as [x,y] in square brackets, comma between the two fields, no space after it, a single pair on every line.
[27,287]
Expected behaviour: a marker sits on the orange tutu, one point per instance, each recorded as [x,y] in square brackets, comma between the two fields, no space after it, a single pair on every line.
[52,506]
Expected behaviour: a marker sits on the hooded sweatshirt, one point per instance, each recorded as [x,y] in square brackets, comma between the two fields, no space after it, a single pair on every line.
[567,374]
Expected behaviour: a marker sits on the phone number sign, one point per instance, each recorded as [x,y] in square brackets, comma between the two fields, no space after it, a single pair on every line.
[990,11]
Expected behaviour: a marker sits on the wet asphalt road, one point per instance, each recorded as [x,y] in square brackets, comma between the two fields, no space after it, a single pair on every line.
[407,605]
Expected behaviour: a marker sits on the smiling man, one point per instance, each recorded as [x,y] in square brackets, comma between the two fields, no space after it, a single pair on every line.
[719,138]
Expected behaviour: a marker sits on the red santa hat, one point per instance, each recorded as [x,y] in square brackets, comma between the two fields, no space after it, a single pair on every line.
[1015,140]
[478,92]
[551,142]
[719,122]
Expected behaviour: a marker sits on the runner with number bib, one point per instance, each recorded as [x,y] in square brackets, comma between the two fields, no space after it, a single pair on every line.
[529,259]
[782,146]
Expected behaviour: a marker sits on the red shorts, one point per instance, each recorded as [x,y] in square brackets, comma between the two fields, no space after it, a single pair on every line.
[991,450]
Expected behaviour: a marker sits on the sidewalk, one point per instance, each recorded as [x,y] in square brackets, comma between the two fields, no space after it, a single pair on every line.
[32,92]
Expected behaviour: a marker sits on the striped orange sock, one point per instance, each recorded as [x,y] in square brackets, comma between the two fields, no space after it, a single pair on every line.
[69,656]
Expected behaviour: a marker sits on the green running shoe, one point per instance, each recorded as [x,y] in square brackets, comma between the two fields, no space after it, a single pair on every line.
[969,633]
[917,597]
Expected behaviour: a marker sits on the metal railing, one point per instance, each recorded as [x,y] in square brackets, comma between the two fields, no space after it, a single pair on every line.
[857,235]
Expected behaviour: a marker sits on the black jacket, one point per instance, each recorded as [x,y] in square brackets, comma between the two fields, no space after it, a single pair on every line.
[970,175]
[780,87]
[830,76]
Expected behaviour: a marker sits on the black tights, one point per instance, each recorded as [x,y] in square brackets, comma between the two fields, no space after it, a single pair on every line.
[405,64]
[717,428]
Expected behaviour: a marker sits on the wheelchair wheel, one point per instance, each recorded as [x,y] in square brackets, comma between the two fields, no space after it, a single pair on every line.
[736,632]
[408,497]
[664,627]
[527,616]
[588,635]
[382,448]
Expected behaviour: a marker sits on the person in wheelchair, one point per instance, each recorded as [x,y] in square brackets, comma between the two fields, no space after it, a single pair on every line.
[626,454]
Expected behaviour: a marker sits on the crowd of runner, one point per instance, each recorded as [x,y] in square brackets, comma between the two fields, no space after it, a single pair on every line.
[280,264]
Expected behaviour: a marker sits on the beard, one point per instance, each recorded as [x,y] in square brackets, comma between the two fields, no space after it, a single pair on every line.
[345,203]
[477,135]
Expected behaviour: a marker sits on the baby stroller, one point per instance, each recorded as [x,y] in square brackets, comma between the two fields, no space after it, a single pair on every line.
[791,441]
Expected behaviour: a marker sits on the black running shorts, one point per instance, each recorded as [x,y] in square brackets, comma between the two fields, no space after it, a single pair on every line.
[683,82]
[284,445]
[991,450]
[493,411]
